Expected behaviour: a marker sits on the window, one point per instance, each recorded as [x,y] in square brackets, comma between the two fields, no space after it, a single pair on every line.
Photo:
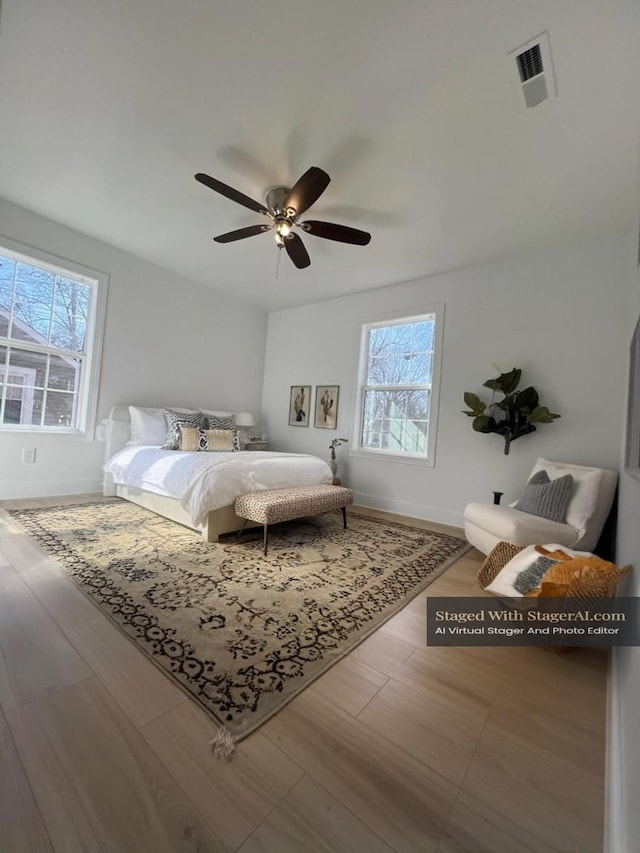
[50,323]
[397,400]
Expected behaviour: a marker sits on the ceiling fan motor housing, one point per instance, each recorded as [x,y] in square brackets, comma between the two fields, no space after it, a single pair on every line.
[276,198]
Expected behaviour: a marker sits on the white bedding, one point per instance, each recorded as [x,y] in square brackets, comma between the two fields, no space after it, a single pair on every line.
[206,481]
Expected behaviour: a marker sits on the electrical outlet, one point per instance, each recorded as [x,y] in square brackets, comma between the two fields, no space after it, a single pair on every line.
[28,454]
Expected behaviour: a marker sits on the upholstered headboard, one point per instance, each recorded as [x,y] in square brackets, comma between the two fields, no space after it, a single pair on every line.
[117,427]
[117,430]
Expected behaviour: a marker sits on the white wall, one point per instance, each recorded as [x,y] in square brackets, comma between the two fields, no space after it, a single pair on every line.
[168,341]
[624,700]
[557,314]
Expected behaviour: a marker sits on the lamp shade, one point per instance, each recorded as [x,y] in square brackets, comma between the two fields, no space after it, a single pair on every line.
[245,419]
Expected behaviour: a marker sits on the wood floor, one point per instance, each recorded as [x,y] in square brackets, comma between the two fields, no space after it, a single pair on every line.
[399,747]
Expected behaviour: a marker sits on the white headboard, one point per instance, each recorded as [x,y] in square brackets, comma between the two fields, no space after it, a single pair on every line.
[117,430]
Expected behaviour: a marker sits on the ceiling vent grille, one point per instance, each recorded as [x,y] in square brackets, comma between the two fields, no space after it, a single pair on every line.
[529,63]
[532,72]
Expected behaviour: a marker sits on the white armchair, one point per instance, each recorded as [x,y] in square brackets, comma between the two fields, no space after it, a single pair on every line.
[591,499]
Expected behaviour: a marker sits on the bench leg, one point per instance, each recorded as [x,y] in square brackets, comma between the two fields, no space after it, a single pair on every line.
[264,537]
[344,517]
[244,524]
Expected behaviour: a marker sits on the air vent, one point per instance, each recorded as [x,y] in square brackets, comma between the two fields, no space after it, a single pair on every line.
[532,72]
[529,63]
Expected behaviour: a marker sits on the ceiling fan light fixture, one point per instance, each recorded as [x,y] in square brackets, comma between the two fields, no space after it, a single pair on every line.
[283,207]
[283,227]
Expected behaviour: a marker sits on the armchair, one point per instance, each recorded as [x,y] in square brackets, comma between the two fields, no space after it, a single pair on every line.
[590,501]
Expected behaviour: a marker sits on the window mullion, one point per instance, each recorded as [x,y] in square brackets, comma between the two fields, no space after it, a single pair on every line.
[36,347]
[425,387]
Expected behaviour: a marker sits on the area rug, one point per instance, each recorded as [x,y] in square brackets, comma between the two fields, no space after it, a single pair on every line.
[240,632]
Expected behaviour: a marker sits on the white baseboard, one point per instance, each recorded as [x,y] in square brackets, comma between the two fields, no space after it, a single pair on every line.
[48,489]
[614,790]
[425,513]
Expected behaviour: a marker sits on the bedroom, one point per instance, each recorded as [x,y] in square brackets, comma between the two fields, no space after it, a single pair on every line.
[540,305]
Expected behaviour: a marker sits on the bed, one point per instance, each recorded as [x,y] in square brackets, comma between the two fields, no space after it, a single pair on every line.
[195,489]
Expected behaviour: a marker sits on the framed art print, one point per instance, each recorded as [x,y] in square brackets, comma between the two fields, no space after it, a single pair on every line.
[632,450]
[299,404]
[327,406]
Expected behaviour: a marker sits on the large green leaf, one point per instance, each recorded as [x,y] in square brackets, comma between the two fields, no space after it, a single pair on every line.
[541,415]
[526,400]
[482,424]
[506,382]
[474,402]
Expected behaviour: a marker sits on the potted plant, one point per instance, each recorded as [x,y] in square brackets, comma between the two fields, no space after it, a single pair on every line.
[515,415]
[333,463]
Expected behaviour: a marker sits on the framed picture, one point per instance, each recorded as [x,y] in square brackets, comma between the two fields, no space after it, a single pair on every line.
[632,454]
[327,406]
[299,405]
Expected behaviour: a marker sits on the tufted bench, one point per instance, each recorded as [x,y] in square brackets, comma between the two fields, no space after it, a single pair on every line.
[275,505]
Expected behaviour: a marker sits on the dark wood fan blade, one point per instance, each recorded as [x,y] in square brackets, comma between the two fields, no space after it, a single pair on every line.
[307,190]
[296,251]
[230,193]
[341,233]
[241,233]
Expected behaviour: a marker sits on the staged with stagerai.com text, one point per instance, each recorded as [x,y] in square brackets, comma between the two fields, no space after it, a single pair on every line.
[529,616]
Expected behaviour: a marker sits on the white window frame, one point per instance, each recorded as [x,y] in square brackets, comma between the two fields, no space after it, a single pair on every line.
[98,282]
[393,319]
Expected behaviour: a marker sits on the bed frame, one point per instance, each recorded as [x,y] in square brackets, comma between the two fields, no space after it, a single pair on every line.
[117,434]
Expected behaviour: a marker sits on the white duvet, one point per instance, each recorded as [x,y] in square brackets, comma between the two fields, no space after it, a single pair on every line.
[206,481]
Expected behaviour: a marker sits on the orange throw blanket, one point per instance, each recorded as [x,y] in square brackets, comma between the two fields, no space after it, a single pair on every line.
[556,581]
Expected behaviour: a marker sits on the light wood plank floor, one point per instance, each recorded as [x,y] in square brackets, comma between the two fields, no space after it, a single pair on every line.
[399,747]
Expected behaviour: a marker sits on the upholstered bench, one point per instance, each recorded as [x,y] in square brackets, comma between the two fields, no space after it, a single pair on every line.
[275,505]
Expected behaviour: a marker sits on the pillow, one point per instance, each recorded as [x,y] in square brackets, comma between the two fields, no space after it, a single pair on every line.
[547,498]
[224,422]
[219,421]
[211,440]
[188,438]
[530,578]
[173,418]
[218,440]
[586,486]
[504,581]
[148,426]
[216,412]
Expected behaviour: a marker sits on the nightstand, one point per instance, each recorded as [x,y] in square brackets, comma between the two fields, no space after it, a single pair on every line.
[257,445]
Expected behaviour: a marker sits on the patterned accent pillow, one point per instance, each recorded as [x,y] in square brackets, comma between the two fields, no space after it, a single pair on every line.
[192,439]
[220,422]
[216,422]
[547,498]
[174,419]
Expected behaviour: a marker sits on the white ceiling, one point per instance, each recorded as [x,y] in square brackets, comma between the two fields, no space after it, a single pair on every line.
[109,107]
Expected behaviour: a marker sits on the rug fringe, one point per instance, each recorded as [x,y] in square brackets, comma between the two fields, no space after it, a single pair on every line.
[223,745]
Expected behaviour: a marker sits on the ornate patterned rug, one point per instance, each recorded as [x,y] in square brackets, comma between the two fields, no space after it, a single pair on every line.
[240,632]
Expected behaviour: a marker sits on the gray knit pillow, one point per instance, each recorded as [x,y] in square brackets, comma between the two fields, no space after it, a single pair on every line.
[547,498]
[530,578]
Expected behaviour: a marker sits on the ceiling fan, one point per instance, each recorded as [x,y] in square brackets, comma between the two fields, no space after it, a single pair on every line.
[283,207]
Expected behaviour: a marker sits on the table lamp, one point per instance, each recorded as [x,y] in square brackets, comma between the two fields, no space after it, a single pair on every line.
[244,419]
